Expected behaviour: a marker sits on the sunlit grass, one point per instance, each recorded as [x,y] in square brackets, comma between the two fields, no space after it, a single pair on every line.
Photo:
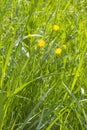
[43,65]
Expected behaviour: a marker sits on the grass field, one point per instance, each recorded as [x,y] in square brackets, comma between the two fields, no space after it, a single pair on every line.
[43,65]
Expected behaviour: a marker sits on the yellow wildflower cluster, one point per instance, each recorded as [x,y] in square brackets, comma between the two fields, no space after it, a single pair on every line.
[58,51]
[41,42]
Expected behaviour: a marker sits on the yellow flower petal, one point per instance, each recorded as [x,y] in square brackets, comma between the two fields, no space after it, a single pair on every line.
[58,51]
[55,27]
[41,43]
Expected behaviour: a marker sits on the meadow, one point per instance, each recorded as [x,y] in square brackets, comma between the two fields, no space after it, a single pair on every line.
[43,65]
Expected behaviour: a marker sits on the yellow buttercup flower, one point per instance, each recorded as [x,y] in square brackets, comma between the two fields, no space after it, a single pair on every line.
[58,51]
[55,27]
[63,46]
[29,35]
[41,43]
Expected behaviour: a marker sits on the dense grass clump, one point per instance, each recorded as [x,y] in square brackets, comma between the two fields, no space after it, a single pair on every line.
[43,65]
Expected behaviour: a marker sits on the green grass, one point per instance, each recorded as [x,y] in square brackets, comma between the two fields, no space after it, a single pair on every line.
[40,90]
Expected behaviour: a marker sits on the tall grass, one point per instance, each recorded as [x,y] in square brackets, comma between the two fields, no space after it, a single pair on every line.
[39,89]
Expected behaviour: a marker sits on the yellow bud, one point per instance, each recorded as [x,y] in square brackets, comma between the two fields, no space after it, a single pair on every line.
[63,46]
[29,35]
